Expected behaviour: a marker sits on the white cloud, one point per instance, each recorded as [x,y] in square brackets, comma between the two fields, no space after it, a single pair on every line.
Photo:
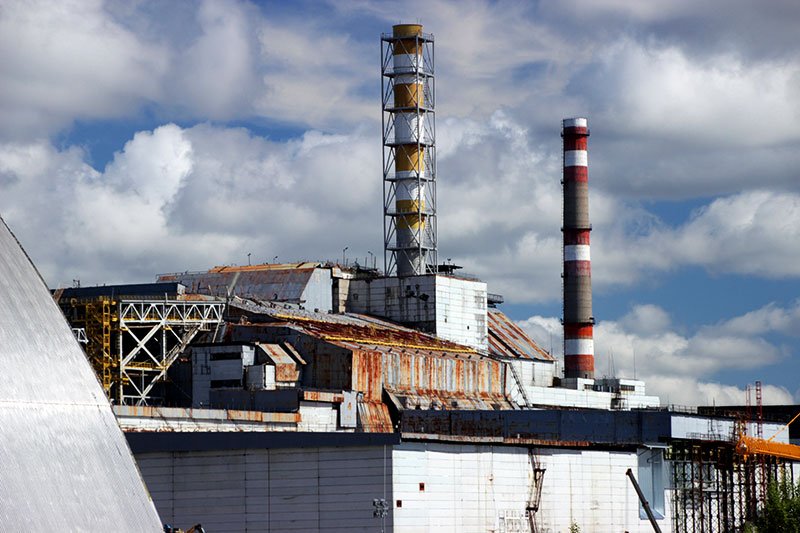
[499,204]
[317,77]
[660,92]
[747,233]
[69,60]
[677,367]
[215,76]
[178,198]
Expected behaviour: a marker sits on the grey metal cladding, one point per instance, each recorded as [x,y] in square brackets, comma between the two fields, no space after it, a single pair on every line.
[65,463]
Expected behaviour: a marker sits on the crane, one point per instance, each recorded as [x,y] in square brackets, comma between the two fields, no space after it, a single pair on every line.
[754,445]
[747,445]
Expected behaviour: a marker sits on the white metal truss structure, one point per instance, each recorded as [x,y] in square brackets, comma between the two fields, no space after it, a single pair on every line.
[80,335]
[152,335]
[409,152]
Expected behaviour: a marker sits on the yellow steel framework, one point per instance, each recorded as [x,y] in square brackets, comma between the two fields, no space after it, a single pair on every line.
[95,317]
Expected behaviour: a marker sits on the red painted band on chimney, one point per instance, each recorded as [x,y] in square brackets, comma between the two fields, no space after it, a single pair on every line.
[579,363]
[576,130]
[574,143]
[577,268]
[578,331]
[576,236]
[577,174]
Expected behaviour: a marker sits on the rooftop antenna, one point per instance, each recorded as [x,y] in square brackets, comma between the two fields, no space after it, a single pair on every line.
[611,367]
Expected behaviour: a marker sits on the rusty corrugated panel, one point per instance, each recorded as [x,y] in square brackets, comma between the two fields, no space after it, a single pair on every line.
[370,358]
[353,328]
[367,333]
[508,340]
[285,366]
[164,413]
[373,417]
[322,396]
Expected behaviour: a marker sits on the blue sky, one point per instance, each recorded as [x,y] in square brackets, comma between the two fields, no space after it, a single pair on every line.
[146,137]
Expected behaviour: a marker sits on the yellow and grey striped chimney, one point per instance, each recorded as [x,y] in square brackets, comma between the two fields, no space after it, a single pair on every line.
[409,145]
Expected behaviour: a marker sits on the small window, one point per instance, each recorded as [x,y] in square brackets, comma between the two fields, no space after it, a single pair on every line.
[226,356]
[226,383]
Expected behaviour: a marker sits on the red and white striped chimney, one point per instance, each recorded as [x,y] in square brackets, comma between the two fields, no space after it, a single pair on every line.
[578,319]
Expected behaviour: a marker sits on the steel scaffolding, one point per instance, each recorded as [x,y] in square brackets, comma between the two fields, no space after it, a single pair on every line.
[132,343]
[715,489]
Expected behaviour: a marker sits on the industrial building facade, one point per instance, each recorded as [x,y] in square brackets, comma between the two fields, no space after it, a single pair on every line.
[321,397]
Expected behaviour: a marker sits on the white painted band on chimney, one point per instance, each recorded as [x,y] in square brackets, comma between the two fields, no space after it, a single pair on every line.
[408,79]
[575,123]
[407,63]
[576,252]
[576,158]
[579,347]
[411,174]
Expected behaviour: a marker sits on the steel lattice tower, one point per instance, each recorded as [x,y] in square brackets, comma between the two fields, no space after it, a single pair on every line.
[409,151]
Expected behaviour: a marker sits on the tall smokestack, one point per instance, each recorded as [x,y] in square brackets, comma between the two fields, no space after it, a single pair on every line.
[409,145]
[578,319]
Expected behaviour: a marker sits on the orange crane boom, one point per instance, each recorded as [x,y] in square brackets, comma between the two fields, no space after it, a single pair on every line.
[753,445]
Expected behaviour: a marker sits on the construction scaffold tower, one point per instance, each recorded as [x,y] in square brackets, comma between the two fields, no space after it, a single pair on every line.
[409,151]
[132,343]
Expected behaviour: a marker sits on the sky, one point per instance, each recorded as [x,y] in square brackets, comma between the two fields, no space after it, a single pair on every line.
[143,137]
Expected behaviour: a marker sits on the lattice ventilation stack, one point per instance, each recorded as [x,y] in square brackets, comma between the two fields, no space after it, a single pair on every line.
[409,151]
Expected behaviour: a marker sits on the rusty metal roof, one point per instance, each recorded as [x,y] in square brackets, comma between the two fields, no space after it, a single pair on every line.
[373,417]
[448,402]
[370,333]
[508,340]
[353,329]
[276,353]
[285,365]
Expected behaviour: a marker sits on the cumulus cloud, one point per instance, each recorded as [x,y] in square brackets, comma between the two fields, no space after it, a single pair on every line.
[319,189]
[63,61]
[745,233]
[680,367]
[216,75]
[178,198]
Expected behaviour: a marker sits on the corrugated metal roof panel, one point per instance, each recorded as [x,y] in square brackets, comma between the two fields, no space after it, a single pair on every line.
[285,285]
[285,366]
[507,339]
[373,417]
[354,329]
